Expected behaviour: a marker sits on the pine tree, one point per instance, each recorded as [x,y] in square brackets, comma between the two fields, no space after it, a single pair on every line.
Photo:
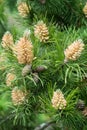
[43,65]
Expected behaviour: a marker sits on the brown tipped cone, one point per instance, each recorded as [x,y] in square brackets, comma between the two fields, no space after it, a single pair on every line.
[42,1]
[40,69]
[84,112]
[80,104]
[36,77]
[26,70]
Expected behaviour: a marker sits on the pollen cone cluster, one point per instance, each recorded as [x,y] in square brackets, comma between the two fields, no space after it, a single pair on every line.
[2,61]
[74,50]
[23,9]
[41,31]
[18,96]
[7,40]
[58,100]
[2,57]
[9,78]
[85,10]
[24,51]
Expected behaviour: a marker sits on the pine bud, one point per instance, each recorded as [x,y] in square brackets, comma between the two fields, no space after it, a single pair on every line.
[9,78]
[41,31]
[26,70]
[58,100]
[74,50]
[85,10]
[18,96]
[24,51]
[27,33]
[36,77]
[23,9]
[80,104]
[40,69]
[42,1]
[84,112]
[7,40]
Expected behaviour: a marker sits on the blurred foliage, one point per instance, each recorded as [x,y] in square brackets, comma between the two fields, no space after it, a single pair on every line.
[2,18]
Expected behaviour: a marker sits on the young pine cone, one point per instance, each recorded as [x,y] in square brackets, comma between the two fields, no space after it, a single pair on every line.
[23,9]
[26,70]
[74,50]
[18,96]
[36,77]
[58,100]
[84,112]
[42,1]
[24,51]
[7,40]
[9,78]
[40,69]
[85,10]
[80,104]
[41,31]
[27,33]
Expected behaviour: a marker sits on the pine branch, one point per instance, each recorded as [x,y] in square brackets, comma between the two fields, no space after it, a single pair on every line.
[2,25]
[45,125]
[9,117]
